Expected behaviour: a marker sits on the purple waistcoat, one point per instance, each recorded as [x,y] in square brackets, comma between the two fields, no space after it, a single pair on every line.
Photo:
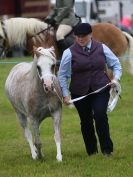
[88,69]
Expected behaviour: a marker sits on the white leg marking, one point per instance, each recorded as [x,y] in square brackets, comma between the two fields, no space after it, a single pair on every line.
[57,118]
[28,136]
[59,155]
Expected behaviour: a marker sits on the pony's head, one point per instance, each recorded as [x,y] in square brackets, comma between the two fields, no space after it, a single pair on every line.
[46,62]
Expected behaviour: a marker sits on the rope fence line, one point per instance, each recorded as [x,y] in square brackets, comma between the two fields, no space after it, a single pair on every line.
[11,62]
[124,58]
[16,62]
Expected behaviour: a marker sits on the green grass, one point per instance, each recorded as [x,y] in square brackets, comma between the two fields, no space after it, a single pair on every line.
[15,158]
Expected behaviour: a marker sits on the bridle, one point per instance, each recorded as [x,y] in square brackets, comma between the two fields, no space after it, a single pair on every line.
[3,46]
[43,81]
[53,87]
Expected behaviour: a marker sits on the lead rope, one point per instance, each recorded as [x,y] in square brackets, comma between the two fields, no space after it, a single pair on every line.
[60,98]
[96,91]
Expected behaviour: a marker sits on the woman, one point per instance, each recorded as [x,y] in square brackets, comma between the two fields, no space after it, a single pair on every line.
[84,63]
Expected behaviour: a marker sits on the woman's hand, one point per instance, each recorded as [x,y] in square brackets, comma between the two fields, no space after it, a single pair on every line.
[66,100]
[114,82]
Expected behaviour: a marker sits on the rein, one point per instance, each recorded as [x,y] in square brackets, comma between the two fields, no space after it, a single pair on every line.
[47,29]
[44,38]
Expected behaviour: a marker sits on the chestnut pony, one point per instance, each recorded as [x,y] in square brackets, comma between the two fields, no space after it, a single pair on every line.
[26,32]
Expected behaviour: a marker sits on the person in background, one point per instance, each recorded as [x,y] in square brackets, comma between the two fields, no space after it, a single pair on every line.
[126,24]
[64,17]
[84,64]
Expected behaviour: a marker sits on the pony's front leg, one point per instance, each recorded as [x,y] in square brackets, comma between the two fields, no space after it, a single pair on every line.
[37,142]
[33,148]
[28,135]
[57,137]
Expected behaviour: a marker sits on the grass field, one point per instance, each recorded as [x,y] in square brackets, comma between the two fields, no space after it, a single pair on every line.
[15,158]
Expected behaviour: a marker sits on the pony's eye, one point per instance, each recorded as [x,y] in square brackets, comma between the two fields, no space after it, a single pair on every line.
[53,67]
[39,70]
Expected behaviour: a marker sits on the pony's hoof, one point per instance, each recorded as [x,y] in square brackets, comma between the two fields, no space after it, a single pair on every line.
[59,158]
[34,156]
[40,156]
[34,153]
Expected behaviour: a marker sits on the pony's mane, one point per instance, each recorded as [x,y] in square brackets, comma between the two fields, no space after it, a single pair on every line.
[18,29]
[49,52]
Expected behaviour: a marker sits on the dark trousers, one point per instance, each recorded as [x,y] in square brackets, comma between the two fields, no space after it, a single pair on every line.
[92,109]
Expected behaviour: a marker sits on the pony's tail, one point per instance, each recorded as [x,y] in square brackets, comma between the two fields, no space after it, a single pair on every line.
[130,52]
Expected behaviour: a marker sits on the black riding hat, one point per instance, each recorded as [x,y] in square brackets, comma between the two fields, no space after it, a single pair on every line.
[83,29]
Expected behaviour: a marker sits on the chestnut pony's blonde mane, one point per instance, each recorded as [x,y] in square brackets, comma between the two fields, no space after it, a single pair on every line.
[17,29]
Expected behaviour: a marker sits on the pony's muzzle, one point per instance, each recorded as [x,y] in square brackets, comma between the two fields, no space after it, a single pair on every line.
[48,83]
[48,88]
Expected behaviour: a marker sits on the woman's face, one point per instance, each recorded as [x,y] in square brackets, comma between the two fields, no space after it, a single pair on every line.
[83,40]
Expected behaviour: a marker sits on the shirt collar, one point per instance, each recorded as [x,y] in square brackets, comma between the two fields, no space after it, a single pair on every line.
[89,44]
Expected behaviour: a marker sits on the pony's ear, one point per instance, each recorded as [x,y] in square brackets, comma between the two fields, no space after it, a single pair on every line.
[52,51]
[36,53]
[34,48]
[35,56]
[52,48]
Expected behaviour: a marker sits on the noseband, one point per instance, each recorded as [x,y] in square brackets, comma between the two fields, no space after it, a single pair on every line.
[42,80]
[52,84]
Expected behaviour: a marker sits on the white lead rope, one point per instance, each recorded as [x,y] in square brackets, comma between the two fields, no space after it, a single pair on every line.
[96,91]
[115,93]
